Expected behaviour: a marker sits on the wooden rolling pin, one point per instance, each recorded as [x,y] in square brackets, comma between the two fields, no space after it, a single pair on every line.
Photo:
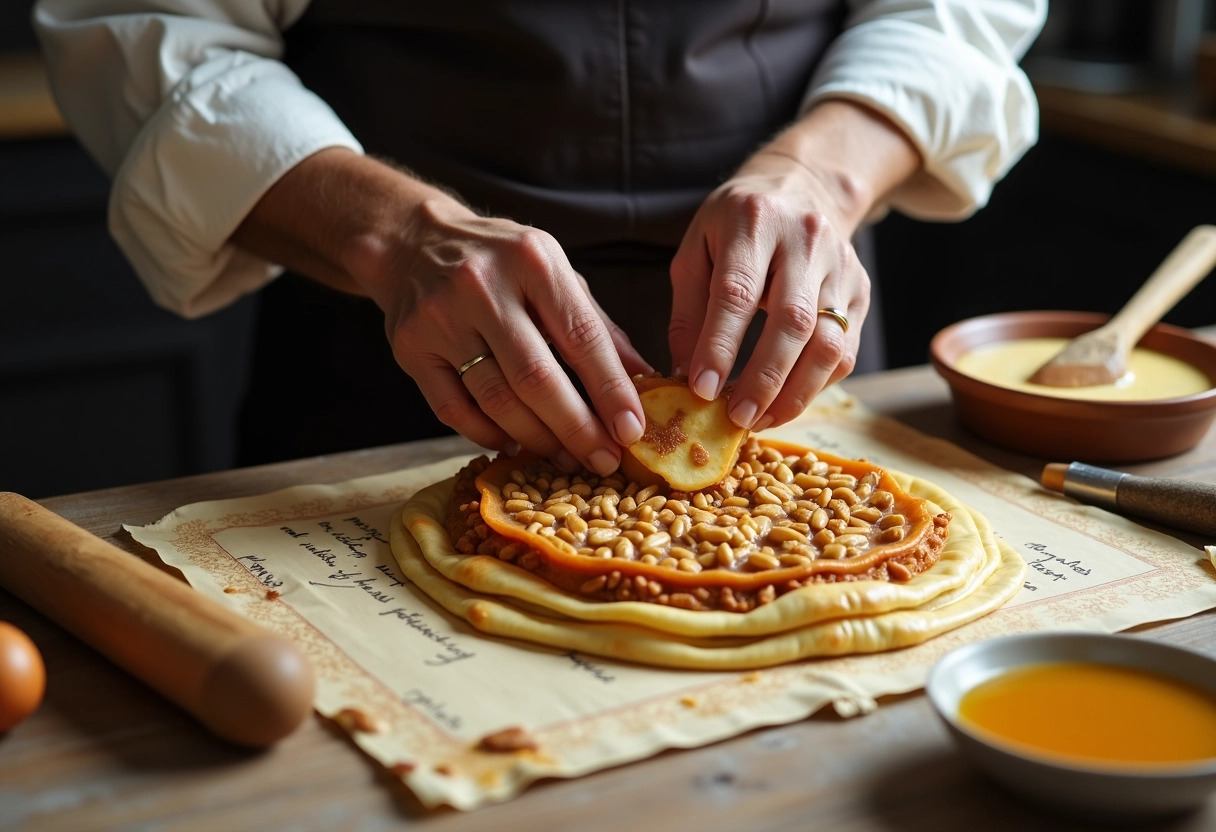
[1177,503]
[244,684]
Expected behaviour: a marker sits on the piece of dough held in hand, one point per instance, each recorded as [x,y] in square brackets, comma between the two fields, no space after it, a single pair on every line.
[689,443]
[792,553]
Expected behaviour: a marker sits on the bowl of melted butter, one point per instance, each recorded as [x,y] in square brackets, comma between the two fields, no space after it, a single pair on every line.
[1163,405]
[1108,727]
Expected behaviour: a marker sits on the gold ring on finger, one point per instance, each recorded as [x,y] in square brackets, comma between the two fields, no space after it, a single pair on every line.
[470,364]
[838,315]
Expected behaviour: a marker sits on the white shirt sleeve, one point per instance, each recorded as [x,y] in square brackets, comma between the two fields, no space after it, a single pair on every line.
[946,72]
[185,108]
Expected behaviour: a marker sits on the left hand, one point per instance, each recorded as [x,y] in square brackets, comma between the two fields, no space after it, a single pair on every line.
[772,237]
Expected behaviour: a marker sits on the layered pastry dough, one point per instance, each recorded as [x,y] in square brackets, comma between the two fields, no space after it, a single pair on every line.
[794,554]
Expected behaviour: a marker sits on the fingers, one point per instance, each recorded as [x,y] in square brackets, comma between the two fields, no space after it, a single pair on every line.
[509,293]
[453,405]
[823,273]
[497,399]
[788,327]
[582,337]
[828,357]
[689,299]
[736,286]
[789,267]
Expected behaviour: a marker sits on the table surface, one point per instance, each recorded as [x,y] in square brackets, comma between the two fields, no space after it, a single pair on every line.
[106,752]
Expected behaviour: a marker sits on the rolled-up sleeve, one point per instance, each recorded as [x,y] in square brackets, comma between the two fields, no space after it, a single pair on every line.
[188,108]
[947,73]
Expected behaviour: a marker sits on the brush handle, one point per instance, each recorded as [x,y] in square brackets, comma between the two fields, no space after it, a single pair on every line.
[1176,503]
[241,682]
[1182,505]
[1178,274]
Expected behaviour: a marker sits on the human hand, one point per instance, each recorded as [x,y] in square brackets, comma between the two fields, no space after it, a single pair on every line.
[464,286]
[772,237]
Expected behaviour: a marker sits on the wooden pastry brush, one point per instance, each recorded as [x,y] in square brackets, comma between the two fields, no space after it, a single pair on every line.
[1177,503]
[1100,356]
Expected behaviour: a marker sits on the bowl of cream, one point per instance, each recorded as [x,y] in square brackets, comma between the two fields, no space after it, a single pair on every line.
[1163,405]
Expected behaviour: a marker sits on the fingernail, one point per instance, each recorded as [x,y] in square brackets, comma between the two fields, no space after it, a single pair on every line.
[744,413]
[628,428]
[706,385]
[512,448]
[603,461]
[566,461]
[763,422]
[677,371]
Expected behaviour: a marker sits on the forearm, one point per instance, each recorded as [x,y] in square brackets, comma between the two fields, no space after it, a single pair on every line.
[340,218]
[858,155]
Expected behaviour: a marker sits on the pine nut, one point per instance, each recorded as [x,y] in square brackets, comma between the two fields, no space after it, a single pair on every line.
[601,537]
[840,509]
[852,540]
[759,561]
[784,533]
[725,556]
[868,513]
[891,520]
[679,527]
[896,571]
[891,535]
[594,585]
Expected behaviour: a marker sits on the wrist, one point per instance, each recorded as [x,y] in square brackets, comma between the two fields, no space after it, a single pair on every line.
[394,215]
[855,154]
[345,220]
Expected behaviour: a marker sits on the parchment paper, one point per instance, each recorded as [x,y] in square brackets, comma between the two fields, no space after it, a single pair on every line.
[313,563]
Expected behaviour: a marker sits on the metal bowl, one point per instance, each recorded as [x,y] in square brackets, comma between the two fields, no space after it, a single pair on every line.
[1110,792]
[1073,429]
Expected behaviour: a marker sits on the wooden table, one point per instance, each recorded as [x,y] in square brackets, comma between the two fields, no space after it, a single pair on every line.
[105,752]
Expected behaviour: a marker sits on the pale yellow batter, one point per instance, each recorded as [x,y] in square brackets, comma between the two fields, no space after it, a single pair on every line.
[1150,375]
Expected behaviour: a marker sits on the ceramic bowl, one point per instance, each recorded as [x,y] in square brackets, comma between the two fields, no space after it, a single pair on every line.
[1111,793]
[1072,429]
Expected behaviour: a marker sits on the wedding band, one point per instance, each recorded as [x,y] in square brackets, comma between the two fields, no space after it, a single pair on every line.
[470,364]
[838,315]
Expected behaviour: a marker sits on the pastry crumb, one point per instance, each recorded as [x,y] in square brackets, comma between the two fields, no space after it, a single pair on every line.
[356,719]
[513,738]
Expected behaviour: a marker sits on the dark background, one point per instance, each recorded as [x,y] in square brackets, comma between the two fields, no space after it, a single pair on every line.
[99,388]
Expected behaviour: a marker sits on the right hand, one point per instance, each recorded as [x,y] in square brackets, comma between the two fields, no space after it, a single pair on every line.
[460,285]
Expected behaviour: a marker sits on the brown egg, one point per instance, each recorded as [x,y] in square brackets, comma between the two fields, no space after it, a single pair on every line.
[22,676]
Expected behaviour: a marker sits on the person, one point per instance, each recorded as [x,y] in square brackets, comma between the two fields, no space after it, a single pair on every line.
[515,184]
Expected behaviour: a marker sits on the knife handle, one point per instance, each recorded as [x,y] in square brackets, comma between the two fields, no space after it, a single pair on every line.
[243,683]
[1176,503]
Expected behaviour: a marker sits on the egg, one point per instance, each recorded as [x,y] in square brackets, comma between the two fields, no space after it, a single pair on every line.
[22,676]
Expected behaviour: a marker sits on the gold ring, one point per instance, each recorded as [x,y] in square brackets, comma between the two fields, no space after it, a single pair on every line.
[470,364]
[838,315]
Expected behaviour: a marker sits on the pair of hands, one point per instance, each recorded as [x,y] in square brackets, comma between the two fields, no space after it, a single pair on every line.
[771,237]
[455,286]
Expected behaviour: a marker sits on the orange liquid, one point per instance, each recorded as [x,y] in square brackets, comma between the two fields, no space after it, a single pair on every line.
[1095,712]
